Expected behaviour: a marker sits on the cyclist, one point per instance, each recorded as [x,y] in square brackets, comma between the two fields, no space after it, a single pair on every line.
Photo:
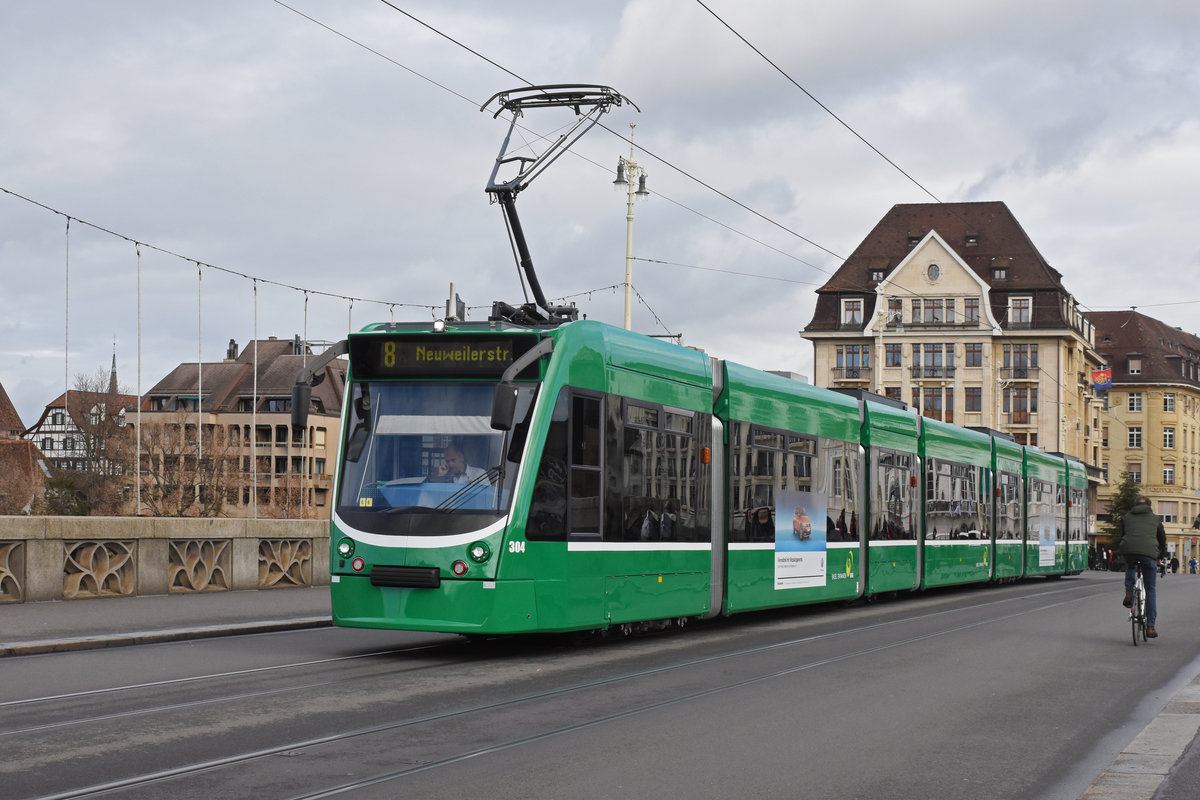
[1143,541]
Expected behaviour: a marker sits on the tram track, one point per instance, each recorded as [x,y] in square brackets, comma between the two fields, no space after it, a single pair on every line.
[333,748]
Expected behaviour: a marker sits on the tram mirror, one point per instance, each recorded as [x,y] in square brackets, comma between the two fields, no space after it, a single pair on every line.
[504,406]
[356,442]
[301,399]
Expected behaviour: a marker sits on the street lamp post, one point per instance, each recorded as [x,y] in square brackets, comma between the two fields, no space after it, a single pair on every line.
[627,171]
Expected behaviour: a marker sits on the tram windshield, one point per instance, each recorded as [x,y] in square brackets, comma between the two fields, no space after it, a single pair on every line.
[427,449]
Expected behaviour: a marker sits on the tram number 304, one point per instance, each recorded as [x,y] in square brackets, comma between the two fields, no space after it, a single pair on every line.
[516,547]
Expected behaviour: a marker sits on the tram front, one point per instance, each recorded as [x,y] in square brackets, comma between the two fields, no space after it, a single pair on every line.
[429,458]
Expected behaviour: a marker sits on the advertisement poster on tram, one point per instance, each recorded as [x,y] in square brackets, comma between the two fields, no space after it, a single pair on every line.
[1045,546]
[801,520]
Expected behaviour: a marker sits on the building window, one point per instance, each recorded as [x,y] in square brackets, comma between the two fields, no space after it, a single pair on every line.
[854,356]
[1168,401]
[892,393]
[68,443]
[933,402]
[933,272]
[1168,438]
[1168,510]
[1020,358]
[974,398]
[971,309]
[972,240]
[876,275]
[1104,437]
[974,354]
[1020,310]
[999,273]
[1135,437]
[852,311]
[1169,474]
[47,444]
[1135,366]
[895,310]
[892,354]
[934,310]
[1135,472]
[1135,401]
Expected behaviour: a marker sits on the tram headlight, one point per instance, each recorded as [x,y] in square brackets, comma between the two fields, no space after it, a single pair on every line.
[459,568]
[345,547]
[479,552]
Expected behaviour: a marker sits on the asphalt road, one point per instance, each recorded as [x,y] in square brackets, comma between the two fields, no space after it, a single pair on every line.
[1024,691]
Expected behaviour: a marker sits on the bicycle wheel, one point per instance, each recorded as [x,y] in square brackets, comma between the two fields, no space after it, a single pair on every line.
[1133,615]
[1141,608]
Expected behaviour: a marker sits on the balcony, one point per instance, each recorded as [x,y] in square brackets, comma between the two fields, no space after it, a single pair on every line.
[1019,373]
[851,373]
[933,372]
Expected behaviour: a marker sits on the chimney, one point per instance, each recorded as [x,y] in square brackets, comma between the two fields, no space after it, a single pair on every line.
[231,354]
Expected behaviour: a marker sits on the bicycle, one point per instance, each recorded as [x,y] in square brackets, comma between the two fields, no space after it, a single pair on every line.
[1137,610]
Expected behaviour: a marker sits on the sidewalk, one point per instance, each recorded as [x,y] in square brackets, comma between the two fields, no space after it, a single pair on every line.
[55,626]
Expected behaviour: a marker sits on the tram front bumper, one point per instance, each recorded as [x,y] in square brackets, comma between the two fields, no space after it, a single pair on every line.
[456,606]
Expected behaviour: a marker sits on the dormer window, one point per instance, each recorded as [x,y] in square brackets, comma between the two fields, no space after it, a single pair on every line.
[1135,366]
[852,312]
[876,275]
[999,273]
[972,239]
[913,240]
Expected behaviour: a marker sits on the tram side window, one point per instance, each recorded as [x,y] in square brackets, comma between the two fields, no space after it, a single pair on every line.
[954,508]
[585,465]
[842,475]
[778,461]
[548,509]
[1077,514]
[1060,512]
[1041,511]
[893,498]
[1010,506]
[661,482]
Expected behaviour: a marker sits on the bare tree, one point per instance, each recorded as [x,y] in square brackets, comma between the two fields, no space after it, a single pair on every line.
[288,499]
[186,472]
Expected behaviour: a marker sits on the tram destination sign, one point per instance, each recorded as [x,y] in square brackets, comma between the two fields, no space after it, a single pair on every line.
[436,356]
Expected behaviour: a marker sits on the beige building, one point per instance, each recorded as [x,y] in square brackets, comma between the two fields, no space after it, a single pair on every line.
[951,308]
[1151,428]
[247,460]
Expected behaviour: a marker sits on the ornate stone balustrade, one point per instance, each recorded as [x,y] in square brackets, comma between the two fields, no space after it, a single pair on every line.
[67,558]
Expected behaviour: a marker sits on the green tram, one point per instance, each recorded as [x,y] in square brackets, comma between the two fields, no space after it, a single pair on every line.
[497,478]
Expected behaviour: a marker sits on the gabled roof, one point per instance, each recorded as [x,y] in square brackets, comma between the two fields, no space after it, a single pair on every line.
[1162,349]
[82,403]
[982,235]
[10,420]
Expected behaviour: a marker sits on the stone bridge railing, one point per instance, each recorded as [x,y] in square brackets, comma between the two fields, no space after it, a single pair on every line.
[68,558]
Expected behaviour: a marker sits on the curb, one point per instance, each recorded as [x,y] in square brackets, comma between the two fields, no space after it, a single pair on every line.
[99,641]
[1140,769]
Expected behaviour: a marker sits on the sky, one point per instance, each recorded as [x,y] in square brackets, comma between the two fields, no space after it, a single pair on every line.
[178,174]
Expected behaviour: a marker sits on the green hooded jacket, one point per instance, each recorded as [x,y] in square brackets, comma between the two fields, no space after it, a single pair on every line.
[1142,533]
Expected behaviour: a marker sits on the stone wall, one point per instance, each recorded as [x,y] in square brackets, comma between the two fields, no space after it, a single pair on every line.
[68,558]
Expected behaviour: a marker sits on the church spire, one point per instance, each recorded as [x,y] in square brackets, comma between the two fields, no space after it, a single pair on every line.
[112,376]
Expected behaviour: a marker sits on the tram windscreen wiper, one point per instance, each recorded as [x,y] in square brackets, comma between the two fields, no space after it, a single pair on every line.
[453,502]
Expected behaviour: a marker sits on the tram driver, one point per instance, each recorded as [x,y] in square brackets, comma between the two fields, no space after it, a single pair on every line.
[454,466]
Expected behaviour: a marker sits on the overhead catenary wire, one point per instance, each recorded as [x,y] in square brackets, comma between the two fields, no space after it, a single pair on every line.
[205,265]
[810,95]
